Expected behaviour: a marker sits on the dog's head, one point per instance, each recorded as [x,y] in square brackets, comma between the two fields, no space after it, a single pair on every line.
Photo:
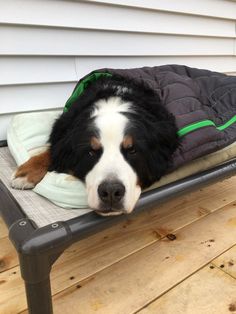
[118,139]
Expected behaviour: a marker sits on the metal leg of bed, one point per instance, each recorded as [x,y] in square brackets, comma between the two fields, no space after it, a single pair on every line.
[39,297]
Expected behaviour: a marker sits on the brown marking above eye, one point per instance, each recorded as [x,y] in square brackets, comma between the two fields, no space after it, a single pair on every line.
[139,183]
[127,142]
[95,143]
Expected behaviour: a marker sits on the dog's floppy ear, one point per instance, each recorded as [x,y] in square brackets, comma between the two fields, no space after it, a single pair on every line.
[162,143]
[61,127]
[59,141]
[166,133]
[67,119]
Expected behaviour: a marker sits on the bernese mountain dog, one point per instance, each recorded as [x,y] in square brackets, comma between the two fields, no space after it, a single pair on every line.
[117,137]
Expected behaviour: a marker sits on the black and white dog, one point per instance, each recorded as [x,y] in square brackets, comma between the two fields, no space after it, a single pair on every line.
[117,137]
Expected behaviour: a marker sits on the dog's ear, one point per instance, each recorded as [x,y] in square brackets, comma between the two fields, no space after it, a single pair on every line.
[166,135]
[156,140]
[162,141]
[61,127]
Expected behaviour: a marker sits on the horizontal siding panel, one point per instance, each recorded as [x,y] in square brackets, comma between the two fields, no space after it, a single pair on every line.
[109,17]
[17,98]
[85,65]
[213,8]
[47,41]
[25,70]
[40,70]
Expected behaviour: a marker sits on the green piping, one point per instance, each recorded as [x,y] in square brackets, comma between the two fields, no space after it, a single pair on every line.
[194,126]
[79,89]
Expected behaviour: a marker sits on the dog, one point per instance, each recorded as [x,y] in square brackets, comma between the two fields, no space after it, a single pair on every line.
[117,138]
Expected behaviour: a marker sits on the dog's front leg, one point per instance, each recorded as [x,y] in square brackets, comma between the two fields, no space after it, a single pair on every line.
[31,172]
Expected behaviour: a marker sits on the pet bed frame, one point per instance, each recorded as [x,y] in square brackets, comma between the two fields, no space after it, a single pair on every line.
[38,248]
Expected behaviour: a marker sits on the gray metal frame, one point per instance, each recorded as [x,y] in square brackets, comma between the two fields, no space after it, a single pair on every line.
[39,248]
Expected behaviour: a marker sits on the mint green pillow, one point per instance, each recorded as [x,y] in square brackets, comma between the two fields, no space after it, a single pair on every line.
[27,135]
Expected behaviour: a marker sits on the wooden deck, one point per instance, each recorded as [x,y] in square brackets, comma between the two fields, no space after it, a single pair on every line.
[140,267]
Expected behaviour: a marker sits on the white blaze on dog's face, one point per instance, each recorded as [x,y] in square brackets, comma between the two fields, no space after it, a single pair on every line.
[112,184]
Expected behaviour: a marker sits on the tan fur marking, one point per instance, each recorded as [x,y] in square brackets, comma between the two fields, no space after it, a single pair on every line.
[95,143]
[35,168]
[127,141]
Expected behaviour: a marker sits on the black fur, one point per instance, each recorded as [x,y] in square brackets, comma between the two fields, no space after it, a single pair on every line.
[152,127]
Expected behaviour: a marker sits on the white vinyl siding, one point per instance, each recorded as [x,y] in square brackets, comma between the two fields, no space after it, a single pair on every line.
[48,45]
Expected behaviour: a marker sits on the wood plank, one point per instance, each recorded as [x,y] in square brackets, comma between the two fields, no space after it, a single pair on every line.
[12,291]
[208,291]
[145,275]
[227,261]
[8,255]
[94,254]
[3,229]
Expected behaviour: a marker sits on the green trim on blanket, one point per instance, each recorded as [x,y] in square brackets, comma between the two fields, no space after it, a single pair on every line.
[82,86]
[195,126]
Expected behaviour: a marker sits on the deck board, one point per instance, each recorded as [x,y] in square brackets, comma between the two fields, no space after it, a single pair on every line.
[227,262]
[117,269]
[3,230]
[8,255]
[209,291]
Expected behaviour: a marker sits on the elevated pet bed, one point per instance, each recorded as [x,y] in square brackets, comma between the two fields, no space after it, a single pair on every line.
[41,230]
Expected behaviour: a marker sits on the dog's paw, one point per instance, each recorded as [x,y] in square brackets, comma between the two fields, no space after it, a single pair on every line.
[31,172]
[21,183]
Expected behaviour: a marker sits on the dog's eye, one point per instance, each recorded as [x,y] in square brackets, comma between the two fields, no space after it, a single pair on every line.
[92,153]
[131,150]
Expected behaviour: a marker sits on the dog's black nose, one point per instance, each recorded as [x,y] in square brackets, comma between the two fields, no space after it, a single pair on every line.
[111,192]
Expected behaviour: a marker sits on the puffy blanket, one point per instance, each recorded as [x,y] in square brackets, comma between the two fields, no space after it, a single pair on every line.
[203,103]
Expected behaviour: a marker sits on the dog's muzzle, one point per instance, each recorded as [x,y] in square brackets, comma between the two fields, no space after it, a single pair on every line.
[111,195]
